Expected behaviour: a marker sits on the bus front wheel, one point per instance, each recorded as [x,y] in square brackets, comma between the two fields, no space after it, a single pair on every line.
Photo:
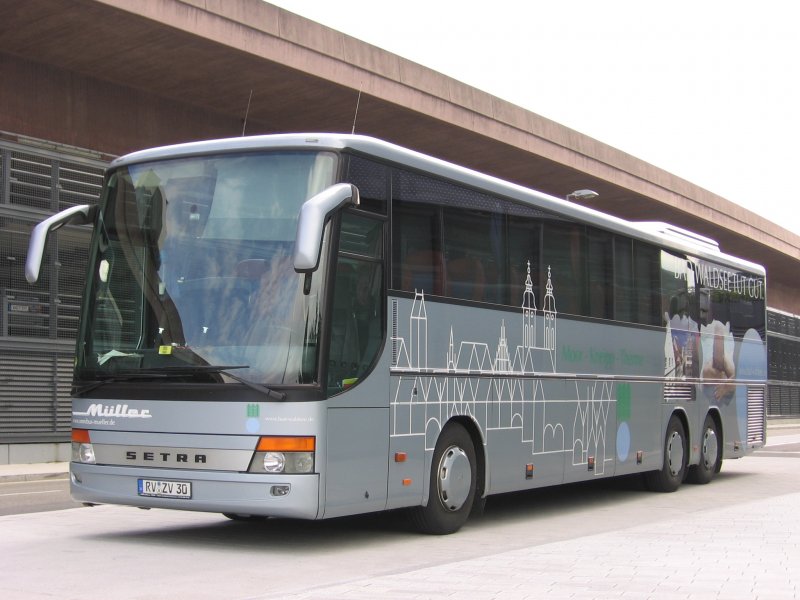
[673,468]
[453,480]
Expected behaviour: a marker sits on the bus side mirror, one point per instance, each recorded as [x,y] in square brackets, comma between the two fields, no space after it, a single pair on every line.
[76,215]
[313,215]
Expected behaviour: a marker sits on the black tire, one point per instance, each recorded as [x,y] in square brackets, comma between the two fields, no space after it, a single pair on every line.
[673,469]
[710,454]
[453,480]
[245,518]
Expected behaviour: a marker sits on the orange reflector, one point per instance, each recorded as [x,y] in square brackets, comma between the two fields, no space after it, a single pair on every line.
[277,443]
[406,482]
[81,436]
[400,456]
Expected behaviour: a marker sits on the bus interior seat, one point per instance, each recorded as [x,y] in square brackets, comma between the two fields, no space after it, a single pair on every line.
[465,278]
[422,272]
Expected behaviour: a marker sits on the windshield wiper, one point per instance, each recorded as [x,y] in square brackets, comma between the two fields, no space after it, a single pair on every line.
[181,371]
[251,384]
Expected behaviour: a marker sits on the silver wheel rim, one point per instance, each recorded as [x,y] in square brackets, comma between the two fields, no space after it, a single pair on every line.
[455,478]
[675,453]
[710,448]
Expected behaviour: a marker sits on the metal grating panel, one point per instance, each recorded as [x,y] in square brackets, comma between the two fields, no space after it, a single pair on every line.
[78,184]
[35,392]
[25,308]
[35,384]
[755,415]
[783,400]
[31,180]
[678,393]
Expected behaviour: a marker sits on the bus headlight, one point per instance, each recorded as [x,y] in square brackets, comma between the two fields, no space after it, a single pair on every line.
[274,462]
[83,453]
[282,454]
[82,449]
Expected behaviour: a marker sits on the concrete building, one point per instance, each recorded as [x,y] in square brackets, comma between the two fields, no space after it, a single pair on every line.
[86,80]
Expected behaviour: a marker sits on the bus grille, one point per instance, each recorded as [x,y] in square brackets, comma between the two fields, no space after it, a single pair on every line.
[755,415]
[395,340]
[678,393]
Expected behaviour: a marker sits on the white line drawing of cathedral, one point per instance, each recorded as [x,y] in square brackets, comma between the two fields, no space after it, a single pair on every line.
[471,377]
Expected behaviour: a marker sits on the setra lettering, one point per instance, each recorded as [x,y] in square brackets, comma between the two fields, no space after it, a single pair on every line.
[166,457]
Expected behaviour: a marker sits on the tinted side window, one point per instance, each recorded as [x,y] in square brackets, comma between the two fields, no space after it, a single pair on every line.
[524,252]
[600,265]
[647,282]
[357,321]
[471,262]
[564,252]
[624,290]
[451,240]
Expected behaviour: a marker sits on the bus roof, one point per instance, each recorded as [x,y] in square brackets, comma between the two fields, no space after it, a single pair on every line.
[661,234]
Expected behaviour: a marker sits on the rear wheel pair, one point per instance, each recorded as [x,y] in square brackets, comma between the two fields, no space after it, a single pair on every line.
[676,455]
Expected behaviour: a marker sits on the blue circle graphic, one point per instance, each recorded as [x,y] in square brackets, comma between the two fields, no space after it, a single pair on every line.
[623,441]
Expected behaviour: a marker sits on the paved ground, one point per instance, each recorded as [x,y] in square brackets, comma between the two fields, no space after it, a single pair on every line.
[748,552]
[734,539]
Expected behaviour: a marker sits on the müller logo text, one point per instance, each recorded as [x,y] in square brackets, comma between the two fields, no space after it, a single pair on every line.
[118,410]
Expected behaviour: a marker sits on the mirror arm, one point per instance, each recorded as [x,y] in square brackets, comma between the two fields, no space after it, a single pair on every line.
[76,215]
[314,213]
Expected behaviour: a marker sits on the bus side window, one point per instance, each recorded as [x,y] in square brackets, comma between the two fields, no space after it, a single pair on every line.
[600,274]
[357,321]
[564,250]
[418,261]
[647,284]
[624,289]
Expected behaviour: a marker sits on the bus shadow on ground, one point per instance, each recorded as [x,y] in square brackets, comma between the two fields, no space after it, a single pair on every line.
[356,530]
[525,508]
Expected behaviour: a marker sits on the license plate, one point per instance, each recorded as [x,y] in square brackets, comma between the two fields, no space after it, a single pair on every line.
[159,488]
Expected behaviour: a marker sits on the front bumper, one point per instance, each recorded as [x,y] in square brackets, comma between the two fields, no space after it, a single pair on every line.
[212,491]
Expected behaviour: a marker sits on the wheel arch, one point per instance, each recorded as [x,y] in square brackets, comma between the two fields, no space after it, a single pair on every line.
[680,412]
[715,414]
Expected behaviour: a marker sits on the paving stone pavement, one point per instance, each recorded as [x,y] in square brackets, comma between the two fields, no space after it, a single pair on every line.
[703,557]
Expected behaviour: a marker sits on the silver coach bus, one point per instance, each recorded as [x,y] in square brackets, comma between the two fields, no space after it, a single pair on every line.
[314,326]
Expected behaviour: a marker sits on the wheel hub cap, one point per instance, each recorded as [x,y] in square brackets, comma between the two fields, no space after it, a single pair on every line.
[710,449]
[675,453]
[455,478]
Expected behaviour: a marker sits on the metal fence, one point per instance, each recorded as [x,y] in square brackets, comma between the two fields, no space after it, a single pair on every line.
[38,323]
[783,343]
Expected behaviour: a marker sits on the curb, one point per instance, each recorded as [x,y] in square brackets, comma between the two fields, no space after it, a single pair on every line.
[21,477]
[33,472]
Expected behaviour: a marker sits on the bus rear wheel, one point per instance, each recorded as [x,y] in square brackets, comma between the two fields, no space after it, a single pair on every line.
[710,454]
[453,481]
[673,469]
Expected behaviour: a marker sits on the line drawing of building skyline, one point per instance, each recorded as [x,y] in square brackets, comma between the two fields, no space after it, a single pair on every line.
[472,376]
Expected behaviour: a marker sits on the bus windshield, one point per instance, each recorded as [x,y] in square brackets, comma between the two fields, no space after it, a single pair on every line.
[192,270]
